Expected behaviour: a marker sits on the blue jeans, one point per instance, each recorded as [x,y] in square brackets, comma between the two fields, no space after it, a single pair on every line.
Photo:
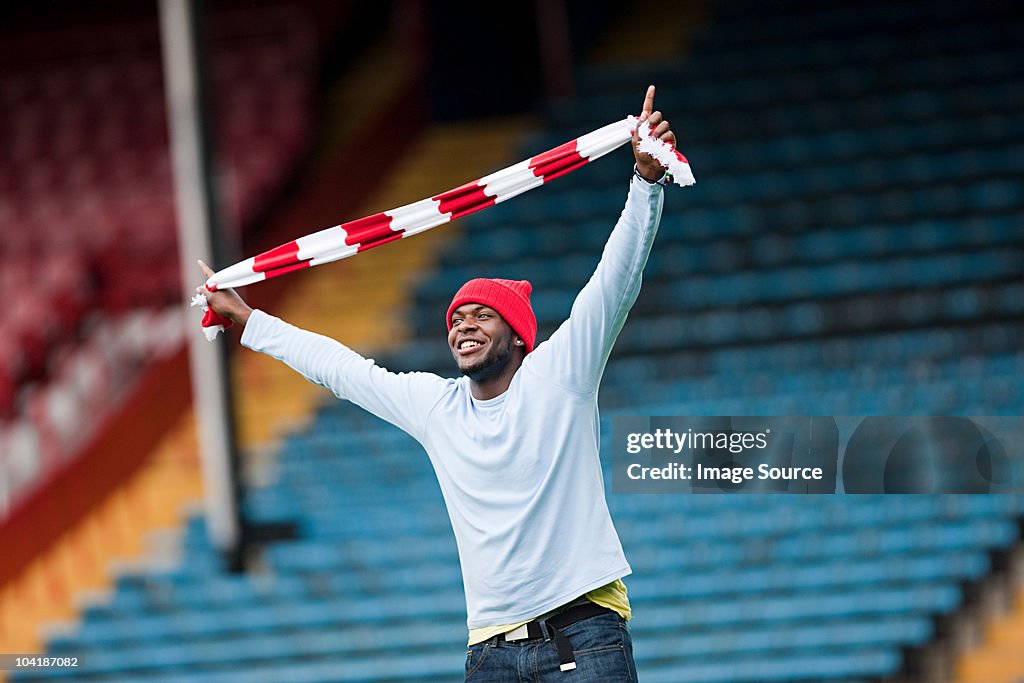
[601,645]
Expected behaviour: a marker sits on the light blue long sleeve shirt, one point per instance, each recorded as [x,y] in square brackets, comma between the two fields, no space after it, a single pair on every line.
[520,473]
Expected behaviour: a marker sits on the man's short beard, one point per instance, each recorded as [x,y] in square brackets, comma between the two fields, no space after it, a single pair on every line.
[492,366]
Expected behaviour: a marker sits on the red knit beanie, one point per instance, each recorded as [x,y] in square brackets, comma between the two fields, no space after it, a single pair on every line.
[510,298]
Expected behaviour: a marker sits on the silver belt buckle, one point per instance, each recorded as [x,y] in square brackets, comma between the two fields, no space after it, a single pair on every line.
[517,634]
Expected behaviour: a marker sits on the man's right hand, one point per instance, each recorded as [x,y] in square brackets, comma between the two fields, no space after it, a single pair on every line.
[224,302]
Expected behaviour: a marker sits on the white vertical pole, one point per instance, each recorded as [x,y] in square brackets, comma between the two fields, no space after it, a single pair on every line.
[194,202]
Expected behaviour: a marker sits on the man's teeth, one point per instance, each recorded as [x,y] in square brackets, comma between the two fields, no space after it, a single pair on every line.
[468,343]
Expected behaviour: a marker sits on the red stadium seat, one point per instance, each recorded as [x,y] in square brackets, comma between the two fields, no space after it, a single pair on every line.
[87,220]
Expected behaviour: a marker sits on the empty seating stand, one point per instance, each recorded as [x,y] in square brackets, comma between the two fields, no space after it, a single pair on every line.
[853,246]
[88,173]
[724,588]
[87,217]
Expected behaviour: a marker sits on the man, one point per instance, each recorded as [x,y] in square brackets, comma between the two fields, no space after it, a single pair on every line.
[514,444]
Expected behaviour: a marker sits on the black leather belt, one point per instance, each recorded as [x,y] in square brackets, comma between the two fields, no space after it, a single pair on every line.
[550,627]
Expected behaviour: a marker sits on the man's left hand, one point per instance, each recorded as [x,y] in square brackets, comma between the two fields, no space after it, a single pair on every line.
[646,165]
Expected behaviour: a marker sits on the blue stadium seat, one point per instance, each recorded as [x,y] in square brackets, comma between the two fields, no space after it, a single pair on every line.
[853,247]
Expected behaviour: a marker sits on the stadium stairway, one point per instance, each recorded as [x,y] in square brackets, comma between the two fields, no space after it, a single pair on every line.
[999,658]
[73,572]
[640,39]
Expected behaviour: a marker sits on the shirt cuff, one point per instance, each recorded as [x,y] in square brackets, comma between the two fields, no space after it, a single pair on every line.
[251,330]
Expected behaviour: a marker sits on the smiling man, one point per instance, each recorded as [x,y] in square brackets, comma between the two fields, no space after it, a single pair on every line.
[514,444]
[491,328]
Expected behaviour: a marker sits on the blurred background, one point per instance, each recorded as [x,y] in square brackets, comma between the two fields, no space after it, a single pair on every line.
[854,246]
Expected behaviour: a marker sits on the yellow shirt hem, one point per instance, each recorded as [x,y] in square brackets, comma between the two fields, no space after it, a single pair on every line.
[611,595]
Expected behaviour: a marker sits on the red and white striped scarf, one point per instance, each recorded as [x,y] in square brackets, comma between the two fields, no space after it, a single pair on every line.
[347,239]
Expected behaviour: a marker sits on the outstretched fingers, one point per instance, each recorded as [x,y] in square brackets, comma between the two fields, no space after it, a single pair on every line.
[658,128]
[648,104]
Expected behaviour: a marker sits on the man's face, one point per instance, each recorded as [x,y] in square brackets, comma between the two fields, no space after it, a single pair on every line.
[481,341]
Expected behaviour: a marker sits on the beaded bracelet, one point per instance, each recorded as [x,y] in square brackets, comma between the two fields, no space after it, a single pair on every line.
[665,179]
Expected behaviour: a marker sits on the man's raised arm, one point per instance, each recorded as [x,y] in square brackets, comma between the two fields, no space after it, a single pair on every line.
[576,354]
